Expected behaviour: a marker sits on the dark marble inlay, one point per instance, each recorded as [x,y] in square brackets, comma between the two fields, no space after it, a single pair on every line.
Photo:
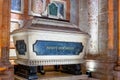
[21,47]
[41,47]
[53,9]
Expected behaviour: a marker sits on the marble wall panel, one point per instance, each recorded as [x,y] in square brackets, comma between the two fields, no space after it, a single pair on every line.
[74,12]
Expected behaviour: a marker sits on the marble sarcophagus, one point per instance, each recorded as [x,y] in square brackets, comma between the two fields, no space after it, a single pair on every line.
[49,42]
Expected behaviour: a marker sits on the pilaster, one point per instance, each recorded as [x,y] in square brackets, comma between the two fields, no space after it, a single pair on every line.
[6,70]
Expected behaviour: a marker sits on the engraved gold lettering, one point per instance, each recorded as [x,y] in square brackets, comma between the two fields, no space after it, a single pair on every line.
[51,47]
[59,48]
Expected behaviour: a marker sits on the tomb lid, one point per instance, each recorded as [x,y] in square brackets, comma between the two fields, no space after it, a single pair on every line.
[47,24]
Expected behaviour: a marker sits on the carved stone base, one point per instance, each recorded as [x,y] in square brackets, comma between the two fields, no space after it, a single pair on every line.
[59,76]
[116,75]
[100,69]
[72,69]
[40,69]
[7,74]
[28,72]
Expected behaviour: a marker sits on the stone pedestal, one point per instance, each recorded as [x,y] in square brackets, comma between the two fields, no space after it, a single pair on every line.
[100,69]
[59,76]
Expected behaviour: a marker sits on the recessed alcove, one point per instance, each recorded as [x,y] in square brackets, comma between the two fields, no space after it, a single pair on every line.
[68,17]
[108,28]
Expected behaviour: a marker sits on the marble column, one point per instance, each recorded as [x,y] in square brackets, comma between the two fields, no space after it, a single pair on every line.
[93,26]
[98,60]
